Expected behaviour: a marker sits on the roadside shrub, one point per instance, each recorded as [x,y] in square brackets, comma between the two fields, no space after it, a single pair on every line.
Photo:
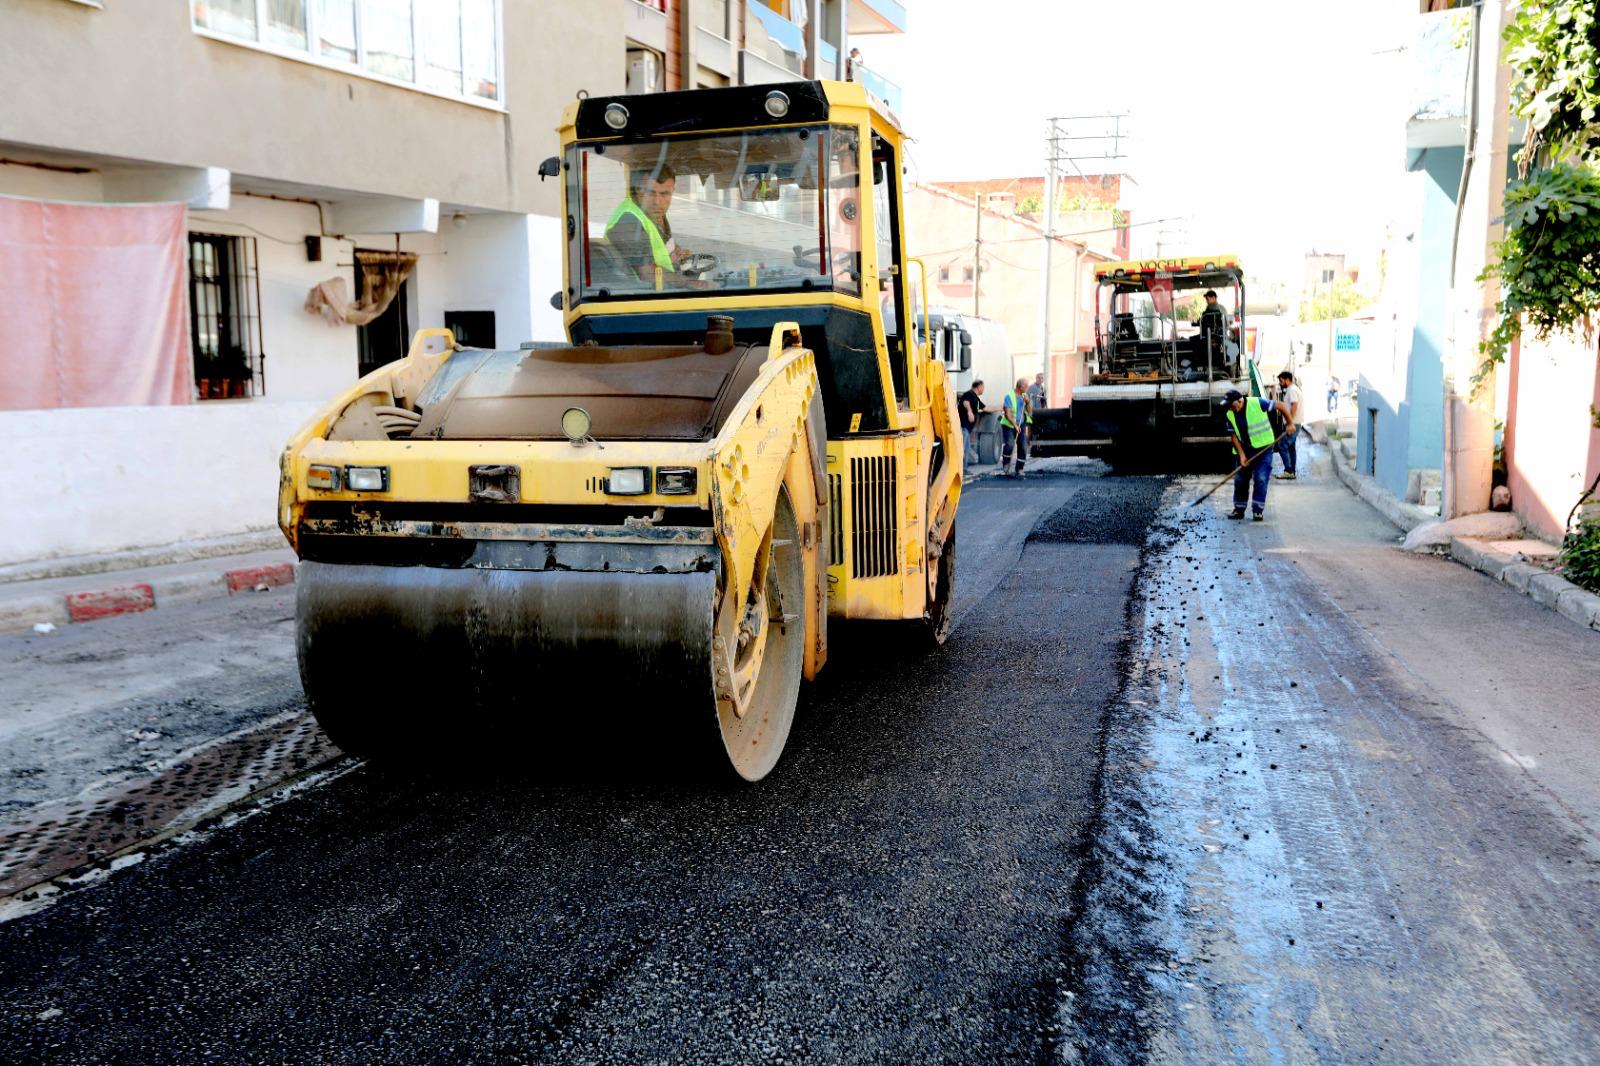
[1580,553]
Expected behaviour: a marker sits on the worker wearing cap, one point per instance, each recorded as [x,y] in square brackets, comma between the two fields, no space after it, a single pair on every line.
[1252,441]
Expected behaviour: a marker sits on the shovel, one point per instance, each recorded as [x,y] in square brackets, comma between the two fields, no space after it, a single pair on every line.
[1265,451]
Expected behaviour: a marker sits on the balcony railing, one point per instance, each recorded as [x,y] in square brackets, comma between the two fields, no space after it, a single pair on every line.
[879,86]
[774,38]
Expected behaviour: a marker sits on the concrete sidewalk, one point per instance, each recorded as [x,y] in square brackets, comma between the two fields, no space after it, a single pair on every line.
[60,601]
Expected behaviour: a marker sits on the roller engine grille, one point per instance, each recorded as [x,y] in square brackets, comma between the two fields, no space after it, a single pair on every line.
[874,540]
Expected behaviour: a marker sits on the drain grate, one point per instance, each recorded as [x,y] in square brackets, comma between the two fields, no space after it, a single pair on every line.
[52,839]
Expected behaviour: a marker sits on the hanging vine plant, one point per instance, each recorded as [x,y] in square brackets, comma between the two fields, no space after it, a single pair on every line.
[1549,262]
[1553,47]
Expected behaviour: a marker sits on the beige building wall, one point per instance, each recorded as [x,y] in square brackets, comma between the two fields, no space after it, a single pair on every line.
[132,80]
[941,227]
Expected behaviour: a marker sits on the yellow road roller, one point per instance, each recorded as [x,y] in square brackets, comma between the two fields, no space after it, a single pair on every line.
[639,535]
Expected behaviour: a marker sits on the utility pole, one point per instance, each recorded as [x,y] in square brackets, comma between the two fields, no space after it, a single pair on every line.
[1071,140]
[977,253]
[1049,208]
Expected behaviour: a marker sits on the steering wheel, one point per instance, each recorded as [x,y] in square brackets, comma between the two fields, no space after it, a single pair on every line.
[697,264]
[811,259]
[808,258]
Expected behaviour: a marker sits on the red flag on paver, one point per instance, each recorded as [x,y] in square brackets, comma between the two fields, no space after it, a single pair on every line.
[1160,288]
[93,305]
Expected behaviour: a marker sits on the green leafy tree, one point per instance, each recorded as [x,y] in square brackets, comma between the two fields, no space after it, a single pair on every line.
[1339,300]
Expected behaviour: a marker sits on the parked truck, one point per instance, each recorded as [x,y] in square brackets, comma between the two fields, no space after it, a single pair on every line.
[645,531]
[974,349]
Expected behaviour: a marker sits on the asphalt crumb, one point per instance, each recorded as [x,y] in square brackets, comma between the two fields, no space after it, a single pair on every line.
[1109,511]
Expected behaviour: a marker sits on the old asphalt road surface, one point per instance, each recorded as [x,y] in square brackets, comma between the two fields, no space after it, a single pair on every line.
[900,889]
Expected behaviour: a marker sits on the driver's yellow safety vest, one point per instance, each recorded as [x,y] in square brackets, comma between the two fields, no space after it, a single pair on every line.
[658,247]
[1256,422]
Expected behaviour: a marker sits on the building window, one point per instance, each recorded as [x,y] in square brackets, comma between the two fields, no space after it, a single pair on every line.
[225,316]
[1327,276]
[944,275]
[966,274]
[449,47]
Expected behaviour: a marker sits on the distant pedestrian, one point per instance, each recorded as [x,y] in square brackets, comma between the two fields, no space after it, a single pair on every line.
[1015,417]
[853,66]
[1252,442]
[1289,393]
[970,405]
[1036,393]
[1333,394]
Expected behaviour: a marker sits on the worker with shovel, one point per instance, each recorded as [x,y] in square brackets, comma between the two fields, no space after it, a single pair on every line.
[1247,418]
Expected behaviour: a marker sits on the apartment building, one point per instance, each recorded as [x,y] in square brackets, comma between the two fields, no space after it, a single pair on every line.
[687,44]
[329,177]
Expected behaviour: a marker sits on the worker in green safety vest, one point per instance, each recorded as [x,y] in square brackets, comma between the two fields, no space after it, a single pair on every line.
[638,228]
[1252,441]
[1016,416]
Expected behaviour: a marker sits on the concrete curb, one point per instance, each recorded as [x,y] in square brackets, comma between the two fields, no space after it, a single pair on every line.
[264,539]
[1550,590]
[1407,516]
[83,599]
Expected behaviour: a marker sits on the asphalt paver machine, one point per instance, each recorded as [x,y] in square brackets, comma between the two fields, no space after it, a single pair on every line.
[639,536]
[1159,378]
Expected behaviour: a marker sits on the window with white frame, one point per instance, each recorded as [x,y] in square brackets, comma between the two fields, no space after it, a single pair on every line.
[450,47]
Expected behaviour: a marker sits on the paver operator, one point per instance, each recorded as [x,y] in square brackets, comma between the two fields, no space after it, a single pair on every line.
[1247,418]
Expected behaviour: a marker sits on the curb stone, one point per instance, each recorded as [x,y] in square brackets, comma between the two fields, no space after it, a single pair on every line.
[1518,575]
[1407,516]
[1492,563]
[81,599]
[1546,589]
[1580,605]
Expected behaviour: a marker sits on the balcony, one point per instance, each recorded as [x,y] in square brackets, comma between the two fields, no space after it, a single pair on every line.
[774,47]
[881,87]
[1437,94]
[647,24]
[876,16]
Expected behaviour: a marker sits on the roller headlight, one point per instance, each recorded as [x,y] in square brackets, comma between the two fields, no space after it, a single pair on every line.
[628,481]
[366,478]
[325,478]
[575,424]
[777,104]
[675,480]
[616,116]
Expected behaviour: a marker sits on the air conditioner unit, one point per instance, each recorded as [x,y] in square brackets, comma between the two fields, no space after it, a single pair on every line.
[645,71]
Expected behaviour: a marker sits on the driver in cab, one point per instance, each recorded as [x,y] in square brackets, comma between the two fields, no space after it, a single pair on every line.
[640,232]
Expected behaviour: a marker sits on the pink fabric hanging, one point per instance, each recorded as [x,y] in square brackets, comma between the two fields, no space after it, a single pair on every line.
[94,308]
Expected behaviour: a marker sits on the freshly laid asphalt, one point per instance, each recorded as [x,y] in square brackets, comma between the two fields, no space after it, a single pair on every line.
[1178,789]
[899,889]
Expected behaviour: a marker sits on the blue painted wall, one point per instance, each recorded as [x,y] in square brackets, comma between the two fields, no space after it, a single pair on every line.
[1410,427]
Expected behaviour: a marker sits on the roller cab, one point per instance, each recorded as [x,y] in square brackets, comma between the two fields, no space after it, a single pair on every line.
[742,436]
